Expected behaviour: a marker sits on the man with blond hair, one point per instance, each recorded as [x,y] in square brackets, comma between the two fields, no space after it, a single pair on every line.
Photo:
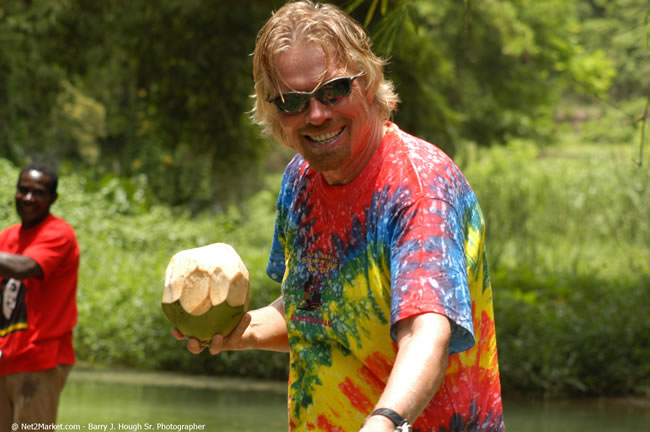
[386,306]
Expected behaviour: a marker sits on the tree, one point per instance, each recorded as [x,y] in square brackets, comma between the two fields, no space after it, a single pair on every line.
[484,71]
[162,89]
[170,83]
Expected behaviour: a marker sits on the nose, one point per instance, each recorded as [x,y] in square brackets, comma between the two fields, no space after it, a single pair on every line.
[26,195]
[317,112]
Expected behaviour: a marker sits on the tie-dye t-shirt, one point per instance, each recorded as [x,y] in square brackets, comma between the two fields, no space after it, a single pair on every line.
[404,238]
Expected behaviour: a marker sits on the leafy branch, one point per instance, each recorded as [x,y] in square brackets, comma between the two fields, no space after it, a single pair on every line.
[644,120]
[644,117]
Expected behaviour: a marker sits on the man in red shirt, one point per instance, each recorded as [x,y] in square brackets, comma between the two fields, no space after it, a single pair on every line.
[39,262]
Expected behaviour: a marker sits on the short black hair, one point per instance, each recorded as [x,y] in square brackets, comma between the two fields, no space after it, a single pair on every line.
[46,169]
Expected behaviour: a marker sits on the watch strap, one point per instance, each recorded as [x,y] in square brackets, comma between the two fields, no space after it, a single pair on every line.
[399,421]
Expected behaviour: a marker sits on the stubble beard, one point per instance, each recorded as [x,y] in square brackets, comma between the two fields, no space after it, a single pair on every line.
[327,161]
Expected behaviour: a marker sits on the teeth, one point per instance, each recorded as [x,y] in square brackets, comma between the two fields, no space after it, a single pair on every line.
[325,137]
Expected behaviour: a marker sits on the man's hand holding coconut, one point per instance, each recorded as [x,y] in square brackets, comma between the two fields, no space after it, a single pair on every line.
[206,297]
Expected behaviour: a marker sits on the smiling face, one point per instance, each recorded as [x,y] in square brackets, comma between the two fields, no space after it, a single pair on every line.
[33,197]
[337,139]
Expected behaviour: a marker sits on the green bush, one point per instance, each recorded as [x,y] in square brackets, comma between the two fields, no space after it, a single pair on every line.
[126,244]
[569,248]
[576,210]
[568,335]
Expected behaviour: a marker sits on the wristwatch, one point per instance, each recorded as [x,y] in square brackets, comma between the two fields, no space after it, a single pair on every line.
[401,424]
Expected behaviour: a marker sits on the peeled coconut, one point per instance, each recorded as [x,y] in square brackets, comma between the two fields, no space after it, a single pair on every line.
[207,290]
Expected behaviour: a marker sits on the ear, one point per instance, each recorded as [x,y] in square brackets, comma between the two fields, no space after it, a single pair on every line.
[54,198]
[371,92]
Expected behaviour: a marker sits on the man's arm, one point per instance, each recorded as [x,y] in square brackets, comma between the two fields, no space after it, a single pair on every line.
[420,366]
[263,329]
[19,267]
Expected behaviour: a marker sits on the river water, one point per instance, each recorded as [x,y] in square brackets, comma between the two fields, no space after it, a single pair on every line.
[133,401]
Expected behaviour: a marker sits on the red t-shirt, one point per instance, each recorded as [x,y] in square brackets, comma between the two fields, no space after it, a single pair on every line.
[37,315]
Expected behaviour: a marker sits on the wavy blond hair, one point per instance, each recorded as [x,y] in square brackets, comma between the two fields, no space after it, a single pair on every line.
[343,41]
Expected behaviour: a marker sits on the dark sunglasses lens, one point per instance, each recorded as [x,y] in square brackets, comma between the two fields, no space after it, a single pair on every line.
[293,103]
[334,91]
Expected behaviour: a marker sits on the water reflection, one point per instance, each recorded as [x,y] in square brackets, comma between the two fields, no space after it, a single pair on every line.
[136,401]
[572,416]
[132,401]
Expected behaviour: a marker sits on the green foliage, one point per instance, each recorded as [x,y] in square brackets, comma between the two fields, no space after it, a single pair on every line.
[390,22]
[606,123]
[569,247]
[598,199]
[132,88]
[126,243]
[8,187]
[155,100]
[29,84]
[620,30]
[568,243]
[484,71]
[564,334]
[80,123]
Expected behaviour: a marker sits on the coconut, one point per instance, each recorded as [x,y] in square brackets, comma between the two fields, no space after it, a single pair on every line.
[207,291]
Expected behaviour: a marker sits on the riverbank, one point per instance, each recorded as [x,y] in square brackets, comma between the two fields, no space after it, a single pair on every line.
[171,379]
[85,373]
[125,396]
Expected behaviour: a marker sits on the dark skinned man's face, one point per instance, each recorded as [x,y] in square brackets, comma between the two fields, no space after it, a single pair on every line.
[33,198]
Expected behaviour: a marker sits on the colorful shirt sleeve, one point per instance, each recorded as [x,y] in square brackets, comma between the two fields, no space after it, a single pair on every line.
[428,269]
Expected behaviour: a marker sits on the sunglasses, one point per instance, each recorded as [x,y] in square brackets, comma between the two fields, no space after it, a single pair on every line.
[328,93]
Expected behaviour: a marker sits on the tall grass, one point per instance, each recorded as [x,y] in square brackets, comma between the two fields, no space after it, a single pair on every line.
[569,247]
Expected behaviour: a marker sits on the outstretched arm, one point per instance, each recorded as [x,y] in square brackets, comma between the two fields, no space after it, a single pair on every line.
[420,366]
[262,328]
[18,266]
